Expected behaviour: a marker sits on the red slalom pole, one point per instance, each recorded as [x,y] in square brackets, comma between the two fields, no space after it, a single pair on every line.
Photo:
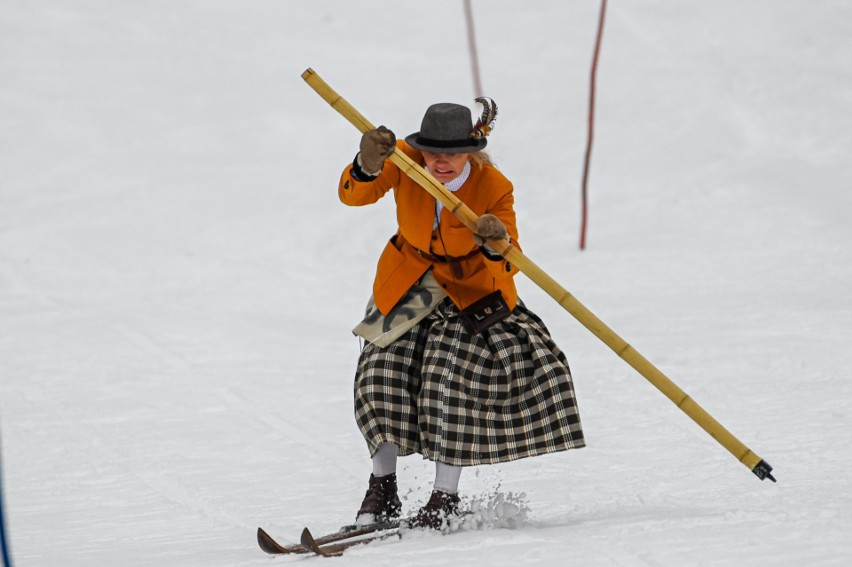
[591,133]
[471,45]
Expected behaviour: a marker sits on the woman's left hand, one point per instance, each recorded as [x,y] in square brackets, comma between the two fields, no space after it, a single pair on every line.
[489,227]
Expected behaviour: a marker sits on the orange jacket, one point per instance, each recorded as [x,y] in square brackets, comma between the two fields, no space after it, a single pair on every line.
[401,264]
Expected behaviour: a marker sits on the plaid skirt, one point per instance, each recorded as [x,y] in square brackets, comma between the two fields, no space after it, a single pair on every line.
[463,399]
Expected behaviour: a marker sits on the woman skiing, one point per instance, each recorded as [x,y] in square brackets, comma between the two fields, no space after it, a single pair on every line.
[454,367]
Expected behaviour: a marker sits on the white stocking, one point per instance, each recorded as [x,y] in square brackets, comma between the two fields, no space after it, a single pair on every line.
[384,461]
[447,478]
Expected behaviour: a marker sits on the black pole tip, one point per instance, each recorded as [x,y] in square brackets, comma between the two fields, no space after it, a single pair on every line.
[763,470]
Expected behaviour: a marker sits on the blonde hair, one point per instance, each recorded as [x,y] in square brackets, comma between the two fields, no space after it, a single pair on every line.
[479,158]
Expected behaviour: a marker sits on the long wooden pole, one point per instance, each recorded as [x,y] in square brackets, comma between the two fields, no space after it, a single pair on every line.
[423,178]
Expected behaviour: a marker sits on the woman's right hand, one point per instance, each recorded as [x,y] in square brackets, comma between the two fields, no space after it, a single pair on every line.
[376,146]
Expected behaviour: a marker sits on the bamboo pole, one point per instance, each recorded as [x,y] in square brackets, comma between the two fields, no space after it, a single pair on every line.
[562,296]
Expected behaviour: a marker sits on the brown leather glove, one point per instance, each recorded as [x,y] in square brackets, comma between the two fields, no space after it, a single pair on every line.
[376,146]
[489,227]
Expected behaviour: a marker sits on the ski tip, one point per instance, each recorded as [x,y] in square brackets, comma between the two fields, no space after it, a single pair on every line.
[266,543]
[272,547]
[307,539]
[309,542]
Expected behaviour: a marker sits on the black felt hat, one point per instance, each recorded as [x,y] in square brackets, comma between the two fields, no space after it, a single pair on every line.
[446,129]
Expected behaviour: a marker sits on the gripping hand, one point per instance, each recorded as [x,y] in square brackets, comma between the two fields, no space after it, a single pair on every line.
[489,227]
[376,146]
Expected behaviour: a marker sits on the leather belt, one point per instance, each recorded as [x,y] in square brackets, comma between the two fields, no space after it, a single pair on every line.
[444,259]
[455,262]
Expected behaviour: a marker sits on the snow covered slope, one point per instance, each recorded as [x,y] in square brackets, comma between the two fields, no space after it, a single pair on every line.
[178,279]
